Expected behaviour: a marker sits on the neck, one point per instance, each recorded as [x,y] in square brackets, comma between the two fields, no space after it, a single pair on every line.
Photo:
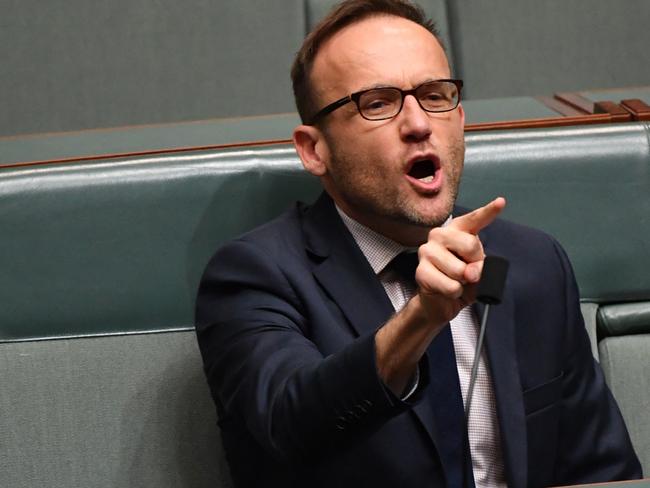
[404,233]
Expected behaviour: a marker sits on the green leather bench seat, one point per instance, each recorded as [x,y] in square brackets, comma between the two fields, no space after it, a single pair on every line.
[588,186]
[119,246]
[128,411]
[624,319]
[89,240]
[100,261]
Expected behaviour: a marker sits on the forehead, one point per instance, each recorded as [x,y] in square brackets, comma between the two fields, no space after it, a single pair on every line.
[379,50]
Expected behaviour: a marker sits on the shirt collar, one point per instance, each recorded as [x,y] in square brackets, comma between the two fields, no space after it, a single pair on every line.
[378,249]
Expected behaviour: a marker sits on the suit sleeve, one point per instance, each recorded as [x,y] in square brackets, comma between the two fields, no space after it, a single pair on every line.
[594,445]
[261,367]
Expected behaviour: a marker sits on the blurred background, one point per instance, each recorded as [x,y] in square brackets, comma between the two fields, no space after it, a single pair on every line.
[81,64]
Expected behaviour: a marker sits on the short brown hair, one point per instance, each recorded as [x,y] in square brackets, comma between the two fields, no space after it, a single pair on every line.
[346,13]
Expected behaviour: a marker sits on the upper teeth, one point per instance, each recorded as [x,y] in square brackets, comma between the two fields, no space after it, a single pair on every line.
[426,179]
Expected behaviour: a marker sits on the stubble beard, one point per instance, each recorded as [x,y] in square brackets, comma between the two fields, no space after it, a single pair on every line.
[363,194]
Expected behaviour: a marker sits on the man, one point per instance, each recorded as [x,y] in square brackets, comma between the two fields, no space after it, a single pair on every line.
[330,365]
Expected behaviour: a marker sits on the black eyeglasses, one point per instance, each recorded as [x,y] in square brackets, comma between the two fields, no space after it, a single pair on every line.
[386,103]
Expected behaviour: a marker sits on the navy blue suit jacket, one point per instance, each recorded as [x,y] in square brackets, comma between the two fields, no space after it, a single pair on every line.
[286,317]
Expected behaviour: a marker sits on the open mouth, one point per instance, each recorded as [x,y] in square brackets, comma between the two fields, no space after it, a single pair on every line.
[423,170]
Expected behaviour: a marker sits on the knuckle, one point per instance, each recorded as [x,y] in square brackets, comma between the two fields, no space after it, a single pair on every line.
[472,245]
[435,234]
[429,250]
[452,289]
[423,251]
[459,271]
[453,268]
[476,244]
[466,243]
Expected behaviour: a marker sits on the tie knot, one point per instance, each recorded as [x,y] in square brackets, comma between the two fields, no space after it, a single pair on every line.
[405,264]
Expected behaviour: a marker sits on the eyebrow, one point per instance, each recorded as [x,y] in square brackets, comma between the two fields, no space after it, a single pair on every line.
[372,87]
[387,85]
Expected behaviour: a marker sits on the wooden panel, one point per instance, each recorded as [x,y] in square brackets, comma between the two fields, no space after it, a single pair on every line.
[577,101]
[638,108]
[618,113]
[559,106]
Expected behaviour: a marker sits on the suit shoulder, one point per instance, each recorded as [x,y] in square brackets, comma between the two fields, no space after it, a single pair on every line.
[503,232]
[522,233]
[523,243]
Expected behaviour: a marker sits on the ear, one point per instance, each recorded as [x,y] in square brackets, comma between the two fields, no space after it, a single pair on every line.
[312,149]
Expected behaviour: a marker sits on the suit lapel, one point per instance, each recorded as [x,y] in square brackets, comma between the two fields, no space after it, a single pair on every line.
[502,358]
[344,273]
[342,270]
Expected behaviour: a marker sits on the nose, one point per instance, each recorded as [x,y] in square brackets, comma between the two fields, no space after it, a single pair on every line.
[415,123]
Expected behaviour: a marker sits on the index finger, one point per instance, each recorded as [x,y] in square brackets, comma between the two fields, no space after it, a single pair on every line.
[476,220]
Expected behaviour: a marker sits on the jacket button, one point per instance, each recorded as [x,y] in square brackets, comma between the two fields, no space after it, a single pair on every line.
[352,415]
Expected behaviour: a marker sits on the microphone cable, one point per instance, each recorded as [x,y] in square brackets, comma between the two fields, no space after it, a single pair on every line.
[489,292]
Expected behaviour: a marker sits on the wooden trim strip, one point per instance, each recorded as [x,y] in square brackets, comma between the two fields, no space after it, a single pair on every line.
[577,101]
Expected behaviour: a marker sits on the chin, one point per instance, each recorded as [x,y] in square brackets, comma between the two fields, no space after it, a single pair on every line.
[429,222]
[431,216]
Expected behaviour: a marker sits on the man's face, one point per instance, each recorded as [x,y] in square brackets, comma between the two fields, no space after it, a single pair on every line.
[399,176]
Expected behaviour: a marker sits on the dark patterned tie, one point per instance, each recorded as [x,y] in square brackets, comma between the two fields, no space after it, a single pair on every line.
[444,390]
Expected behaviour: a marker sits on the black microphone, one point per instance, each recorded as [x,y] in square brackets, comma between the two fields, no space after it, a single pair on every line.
[489,291]
[493,278]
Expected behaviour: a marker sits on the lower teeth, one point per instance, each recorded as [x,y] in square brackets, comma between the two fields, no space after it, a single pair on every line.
[427,179]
